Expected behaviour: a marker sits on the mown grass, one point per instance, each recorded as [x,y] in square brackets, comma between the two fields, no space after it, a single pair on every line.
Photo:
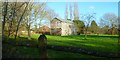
[31,52]
[93,42]
[100,43]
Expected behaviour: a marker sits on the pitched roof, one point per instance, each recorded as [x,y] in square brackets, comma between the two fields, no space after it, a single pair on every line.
[63,20]
[56,19]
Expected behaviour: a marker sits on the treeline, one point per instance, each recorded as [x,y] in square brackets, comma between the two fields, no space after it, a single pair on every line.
[108,24]
[93,28]
[17,16]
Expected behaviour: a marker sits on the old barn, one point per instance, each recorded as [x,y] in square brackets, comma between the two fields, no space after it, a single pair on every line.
[62,27]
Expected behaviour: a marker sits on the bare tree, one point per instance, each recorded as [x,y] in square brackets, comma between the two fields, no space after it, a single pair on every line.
[21,18]
[103,22]
[10,14]
[51,14]
[34,12]
[14,15]
[12,18]
[112,19]
[87,19]
[28,18]
[4,17]
[40,13]
[29,14]
[43,13]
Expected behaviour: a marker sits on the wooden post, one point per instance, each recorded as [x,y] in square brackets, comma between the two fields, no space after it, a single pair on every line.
[42,45]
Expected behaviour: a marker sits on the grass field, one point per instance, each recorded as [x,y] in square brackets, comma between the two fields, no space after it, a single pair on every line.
[93,42]
[103,43]
[29,52]
[100,43]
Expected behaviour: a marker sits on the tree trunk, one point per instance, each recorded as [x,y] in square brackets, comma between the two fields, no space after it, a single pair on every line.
[13,16]
[29,32]
[86,33]
[4,18]
[113,30]
[20,21]
[10,26]
[50,28]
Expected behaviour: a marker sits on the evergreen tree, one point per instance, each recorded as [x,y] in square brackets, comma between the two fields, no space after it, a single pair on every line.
[94,27]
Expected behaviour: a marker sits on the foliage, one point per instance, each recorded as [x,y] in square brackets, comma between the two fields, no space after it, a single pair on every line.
[94,27]
[104,30]
[79,25]
[17,15]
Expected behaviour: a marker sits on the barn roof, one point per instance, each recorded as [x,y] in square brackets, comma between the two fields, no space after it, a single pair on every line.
[63,20]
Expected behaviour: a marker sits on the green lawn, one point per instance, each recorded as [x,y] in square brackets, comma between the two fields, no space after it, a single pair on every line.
[29,52]
[102,43]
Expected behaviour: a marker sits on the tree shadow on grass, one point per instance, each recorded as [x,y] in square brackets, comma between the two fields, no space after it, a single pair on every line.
[21,41]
